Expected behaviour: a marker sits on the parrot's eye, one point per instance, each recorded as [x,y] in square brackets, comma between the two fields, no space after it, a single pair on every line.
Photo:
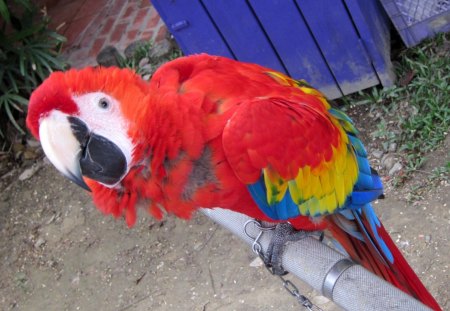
[103,103]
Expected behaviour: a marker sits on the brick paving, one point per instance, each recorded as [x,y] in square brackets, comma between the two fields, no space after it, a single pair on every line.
[89,26]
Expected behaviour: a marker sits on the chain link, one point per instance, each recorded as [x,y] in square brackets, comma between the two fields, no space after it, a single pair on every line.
[287,284]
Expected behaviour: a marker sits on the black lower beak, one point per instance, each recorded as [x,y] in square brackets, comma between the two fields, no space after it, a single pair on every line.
[102,160]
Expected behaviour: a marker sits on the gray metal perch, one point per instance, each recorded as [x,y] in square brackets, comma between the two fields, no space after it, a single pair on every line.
[350,286]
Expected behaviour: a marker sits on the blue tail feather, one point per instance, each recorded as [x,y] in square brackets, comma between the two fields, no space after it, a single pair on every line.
[374,224]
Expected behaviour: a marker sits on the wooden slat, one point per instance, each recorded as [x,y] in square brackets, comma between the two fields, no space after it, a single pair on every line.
[334,32]
[372,24]
[242,32]
[192,28]
[295,45]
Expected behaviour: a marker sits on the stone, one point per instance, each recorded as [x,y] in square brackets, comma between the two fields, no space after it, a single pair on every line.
[395,168]
[146,69]
[256,263]
[29,172]
[162,49]
[109,56]
[388,161]
[392,147]
[377,154]
[144,62]
[76,280]
[403,244]
[51,219]
[33,143]
[40,241]
[131,49]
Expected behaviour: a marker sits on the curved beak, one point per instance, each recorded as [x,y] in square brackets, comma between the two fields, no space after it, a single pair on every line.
[76,151]
[61,146]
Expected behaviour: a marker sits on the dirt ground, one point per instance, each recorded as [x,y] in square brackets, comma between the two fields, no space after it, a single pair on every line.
[57,252]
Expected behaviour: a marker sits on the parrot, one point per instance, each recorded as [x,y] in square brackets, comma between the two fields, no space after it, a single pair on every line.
[208,131]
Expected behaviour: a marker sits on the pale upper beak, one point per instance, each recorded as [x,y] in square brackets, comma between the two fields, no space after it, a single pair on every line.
[61,146]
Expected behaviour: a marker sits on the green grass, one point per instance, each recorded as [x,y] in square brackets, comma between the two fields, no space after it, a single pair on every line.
[29,52]
[441,172]
[414,114]
[142,51]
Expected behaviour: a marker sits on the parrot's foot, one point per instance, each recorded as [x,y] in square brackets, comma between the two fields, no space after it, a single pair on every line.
[283,233]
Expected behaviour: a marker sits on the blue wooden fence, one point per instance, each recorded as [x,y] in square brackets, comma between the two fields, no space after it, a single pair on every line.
[338,46]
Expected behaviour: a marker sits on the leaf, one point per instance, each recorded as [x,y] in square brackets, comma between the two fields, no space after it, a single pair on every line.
[4,12]
[29,51]
[21,63]
[19,99]
[48,58]
[12,80]
[13,121]
[27,32]
[59,38]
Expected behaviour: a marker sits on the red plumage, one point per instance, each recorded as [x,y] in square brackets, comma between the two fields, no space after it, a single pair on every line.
[203,130]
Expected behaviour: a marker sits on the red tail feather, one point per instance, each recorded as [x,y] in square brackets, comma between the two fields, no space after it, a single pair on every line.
[398,273]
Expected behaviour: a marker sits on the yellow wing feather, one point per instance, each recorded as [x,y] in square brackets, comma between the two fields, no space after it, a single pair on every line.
[320,190]
[276,187]
[324,188]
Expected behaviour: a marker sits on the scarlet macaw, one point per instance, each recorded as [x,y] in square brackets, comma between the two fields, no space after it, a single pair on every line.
[209,131]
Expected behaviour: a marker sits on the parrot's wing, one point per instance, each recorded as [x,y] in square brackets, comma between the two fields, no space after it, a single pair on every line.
[296,156]
[298,159]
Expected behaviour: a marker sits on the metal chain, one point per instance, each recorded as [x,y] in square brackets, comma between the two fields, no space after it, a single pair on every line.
[287,284]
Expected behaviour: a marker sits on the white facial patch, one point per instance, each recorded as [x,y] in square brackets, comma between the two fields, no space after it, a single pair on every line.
[103,116]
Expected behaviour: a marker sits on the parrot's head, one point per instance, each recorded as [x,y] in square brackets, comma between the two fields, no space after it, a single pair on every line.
[85,123]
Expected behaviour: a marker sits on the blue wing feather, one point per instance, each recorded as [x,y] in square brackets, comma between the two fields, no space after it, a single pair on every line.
[283,210]
[357,145]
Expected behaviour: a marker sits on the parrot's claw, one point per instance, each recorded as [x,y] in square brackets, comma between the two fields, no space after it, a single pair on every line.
[283,233]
